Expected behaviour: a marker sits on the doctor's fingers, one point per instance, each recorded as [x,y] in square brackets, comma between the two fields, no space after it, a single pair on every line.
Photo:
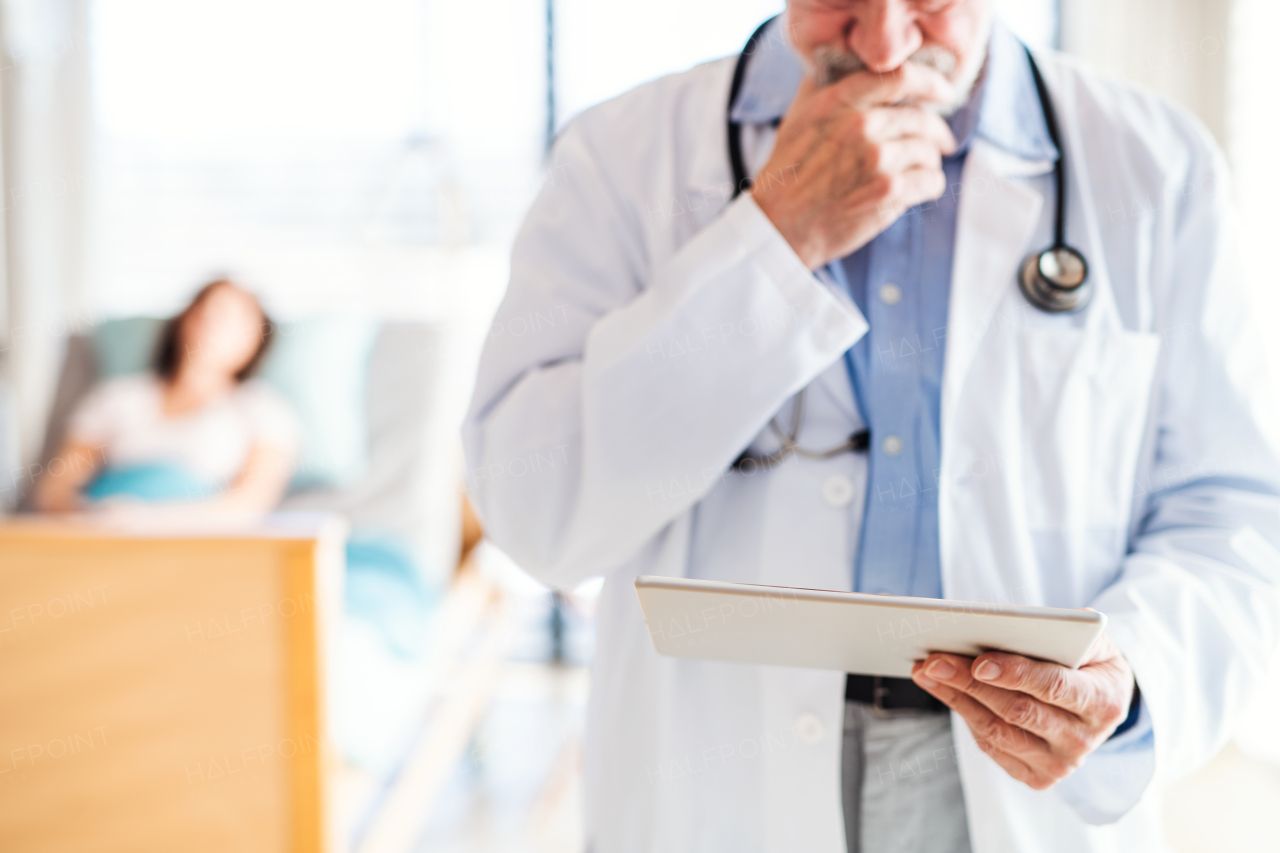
[902,190]
[911,82]
[1084,692]
[899,155]
[1063,730]
[1023,755]
[887,123]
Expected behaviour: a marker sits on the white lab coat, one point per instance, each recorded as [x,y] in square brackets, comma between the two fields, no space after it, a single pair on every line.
[1113,459]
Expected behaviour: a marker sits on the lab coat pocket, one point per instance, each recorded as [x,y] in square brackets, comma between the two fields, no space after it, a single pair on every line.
[1084,402]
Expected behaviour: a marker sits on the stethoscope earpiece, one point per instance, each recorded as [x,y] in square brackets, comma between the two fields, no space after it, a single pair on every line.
[1056,280]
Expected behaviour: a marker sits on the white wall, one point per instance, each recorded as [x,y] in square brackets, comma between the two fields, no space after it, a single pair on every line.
[44,89]
[1176,47]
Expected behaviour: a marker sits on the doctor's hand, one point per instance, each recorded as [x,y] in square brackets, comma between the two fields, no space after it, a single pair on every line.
[852,157]
[1037,720]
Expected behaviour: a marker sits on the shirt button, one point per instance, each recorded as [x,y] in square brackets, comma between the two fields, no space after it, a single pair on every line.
[890,294]
[892,445]
[837,491]
[809,728]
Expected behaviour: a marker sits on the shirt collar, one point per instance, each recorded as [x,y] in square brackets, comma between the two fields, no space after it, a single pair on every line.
[1005,100]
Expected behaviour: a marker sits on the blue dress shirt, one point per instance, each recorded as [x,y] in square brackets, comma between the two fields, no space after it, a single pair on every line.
[901,281]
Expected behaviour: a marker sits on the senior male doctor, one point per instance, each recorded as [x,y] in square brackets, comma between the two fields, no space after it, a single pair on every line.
[834,380]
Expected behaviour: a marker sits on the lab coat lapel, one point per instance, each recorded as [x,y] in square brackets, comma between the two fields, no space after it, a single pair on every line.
[997,219]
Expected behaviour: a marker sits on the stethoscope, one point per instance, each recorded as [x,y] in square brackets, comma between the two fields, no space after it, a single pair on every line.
[1055,280]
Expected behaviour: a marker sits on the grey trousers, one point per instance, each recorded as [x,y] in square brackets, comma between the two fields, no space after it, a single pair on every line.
[901,783]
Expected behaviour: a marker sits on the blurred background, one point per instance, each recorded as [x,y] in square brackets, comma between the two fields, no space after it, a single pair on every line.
[363,168]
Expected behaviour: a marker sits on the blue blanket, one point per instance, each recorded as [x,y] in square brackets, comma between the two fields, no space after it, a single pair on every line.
[155,482]
[385,588]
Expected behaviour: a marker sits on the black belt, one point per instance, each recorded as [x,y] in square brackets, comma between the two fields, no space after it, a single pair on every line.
[888,693]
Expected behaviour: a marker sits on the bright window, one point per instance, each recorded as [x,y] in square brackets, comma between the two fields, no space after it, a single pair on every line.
[376,155]
[335,154]
[1253,128]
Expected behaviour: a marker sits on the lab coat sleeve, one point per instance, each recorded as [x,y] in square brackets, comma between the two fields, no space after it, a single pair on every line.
[632,384]
[1196,607]
[1115,776]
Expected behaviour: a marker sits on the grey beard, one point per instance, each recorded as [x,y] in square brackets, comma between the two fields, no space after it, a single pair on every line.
[832,63]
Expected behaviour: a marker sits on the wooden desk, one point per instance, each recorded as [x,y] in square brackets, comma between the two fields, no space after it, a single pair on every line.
[165,691]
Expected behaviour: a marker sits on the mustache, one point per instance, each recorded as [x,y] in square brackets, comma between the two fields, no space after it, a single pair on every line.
[832,62]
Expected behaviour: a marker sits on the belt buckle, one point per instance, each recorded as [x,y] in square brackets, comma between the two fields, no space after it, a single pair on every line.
[878,692]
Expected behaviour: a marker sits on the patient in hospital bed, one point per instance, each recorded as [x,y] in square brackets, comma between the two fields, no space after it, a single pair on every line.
[196,439]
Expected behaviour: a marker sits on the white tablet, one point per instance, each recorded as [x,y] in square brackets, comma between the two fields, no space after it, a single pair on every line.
[849,631]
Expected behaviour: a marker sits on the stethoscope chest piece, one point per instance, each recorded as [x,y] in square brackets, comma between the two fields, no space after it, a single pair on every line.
[1056,280]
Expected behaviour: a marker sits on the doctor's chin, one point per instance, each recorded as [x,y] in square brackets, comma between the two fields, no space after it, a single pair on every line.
[839,426]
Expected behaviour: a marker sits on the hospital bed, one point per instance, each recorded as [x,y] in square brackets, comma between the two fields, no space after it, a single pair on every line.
[209,690]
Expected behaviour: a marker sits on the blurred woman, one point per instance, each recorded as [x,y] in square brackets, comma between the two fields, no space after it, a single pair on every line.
[195,439]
